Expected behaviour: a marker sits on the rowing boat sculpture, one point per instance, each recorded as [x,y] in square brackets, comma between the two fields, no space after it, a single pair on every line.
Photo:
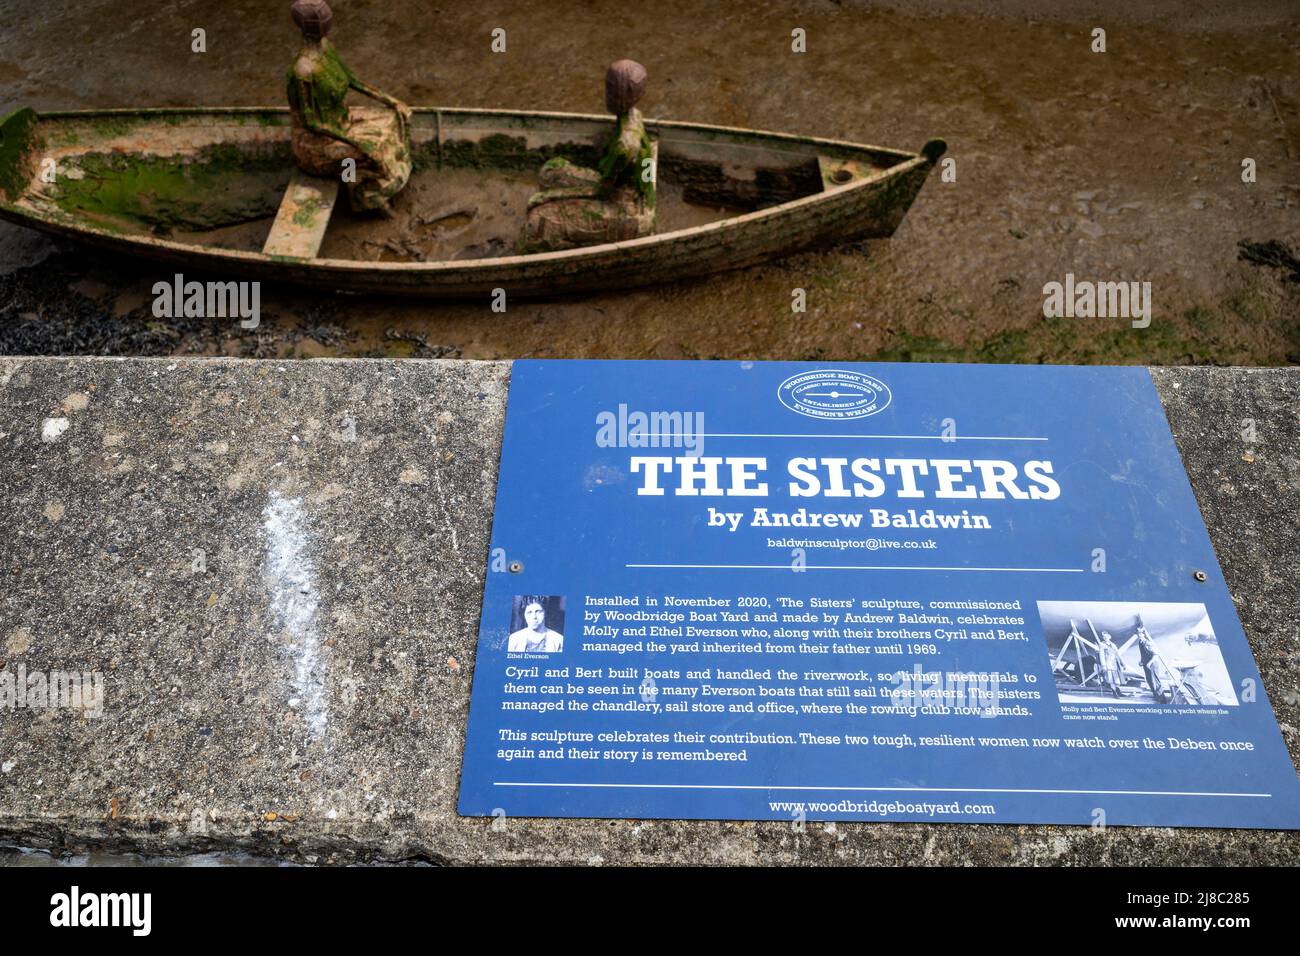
[228,191]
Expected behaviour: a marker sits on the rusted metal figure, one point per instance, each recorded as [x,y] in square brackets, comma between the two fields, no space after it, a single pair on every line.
[326,132]
[614,201]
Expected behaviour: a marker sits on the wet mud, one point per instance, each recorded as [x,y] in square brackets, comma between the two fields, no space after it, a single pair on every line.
[1116,166]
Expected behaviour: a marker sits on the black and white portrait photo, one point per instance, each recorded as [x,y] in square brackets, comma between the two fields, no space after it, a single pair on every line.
[536,624]
[1135,653]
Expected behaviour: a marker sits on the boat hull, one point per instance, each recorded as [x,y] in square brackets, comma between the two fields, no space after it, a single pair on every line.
[735,167]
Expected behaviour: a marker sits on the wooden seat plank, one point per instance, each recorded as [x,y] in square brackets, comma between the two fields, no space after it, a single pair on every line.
[304,215]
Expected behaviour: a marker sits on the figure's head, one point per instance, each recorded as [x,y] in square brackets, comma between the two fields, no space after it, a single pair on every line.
[624,85]
[535,615]
[313,17]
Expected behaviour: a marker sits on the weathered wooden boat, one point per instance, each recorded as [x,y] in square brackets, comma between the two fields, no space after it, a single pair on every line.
[216,191]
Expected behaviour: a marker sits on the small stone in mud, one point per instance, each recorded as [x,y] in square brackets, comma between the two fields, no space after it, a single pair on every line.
[19,641]
[75,402]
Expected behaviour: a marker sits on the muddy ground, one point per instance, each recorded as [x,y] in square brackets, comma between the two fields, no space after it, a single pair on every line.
[1123,165]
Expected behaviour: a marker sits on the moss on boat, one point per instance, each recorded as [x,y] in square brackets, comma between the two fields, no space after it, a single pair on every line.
[216,186]
[17,142]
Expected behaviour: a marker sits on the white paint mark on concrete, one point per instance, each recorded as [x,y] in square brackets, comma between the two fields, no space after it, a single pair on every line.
[52,428]
[446,514]
[295,602]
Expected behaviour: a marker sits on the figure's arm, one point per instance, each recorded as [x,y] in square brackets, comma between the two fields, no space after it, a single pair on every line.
[401,109]
[325,129]
[622,162]
[373,92]
[616,161]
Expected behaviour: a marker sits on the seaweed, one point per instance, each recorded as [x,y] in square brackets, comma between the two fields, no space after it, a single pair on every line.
[1273,254]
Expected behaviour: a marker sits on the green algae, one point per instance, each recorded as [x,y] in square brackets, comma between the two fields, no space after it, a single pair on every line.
[17,137]
[110,127]
[320,98]
[306,215]
[502,151]
[218,186]
[308,211]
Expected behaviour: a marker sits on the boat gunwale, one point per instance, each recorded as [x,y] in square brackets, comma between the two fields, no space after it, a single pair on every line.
[603,118]
[908,162]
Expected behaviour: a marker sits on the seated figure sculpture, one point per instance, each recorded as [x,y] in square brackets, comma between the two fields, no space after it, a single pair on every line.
[326,131]
[616,200]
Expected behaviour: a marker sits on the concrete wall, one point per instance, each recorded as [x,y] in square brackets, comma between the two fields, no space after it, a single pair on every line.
[304,691]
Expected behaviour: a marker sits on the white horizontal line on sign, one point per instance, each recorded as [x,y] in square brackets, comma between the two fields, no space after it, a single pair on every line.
[948,438]
[710,786]
[846,567]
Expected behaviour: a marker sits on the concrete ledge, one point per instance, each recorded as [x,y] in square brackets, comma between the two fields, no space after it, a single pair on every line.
[306,694]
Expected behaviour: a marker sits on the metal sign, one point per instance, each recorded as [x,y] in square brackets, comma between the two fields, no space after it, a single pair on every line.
[785,591]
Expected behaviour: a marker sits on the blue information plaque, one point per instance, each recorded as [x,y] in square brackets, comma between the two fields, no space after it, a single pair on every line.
[786,591]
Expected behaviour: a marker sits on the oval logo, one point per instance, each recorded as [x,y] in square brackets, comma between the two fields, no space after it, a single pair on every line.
[834,394]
